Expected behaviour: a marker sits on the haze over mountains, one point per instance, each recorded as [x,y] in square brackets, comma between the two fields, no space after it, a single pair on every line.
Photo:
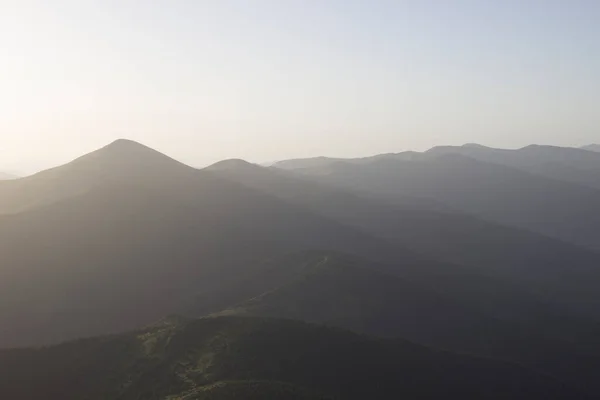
[534,188]
[570,164]
[6,176]
[465,250]
[592,147]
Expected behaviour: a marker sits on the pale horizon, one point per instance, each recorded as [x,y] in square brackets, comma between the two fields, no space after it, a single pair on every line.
[24,173]
[206,81]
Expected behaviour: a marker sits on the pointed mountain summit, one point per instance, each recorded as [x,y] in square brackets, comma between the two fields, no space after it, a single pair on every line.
[123,148]
[122,161]
[122,155]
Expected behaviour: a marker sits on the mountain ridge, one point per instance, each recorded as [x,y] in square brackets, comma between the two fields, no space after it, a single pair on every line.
[592,147]
[121,160]
[443,234]
[493,192]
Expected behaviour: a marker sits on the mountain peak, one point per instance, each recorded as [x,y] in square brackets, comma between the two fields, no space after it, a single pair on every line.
[125,158]
[124,141]
[126,145]
[232,164]
[125,152]
[543,146]
[533,147]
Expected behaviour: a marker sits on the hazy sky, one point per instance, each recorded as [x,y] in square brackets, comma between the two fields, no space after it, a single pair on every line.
[272,79]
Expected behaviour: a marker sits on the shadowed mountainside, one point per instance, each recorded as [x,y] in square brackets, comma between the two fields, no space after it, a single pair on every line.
[187,360]
[125,235]
[549,269]
[494,192]
[354,294]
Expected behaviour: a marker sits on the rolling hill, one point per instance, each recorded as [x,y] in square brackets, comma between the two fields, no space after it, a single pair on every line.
[340,291]
[350,293]
[218,358]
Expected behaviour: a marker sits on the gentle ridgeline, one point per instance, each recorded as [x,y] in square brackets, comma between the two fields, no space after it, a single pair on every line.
[491,257]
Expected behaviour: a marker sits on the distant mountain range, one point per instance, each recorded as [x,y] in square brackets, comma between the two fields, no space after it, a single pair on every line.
[563,163]
[592,147]
[6,176]
[472,250]
[550,190]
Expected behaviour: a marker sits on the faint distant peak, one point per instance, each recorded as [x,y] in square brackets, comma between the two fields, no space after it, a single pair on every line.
[403,156]
[458,149]
[301,163]
[232,164]
[546,148]
[533,147]
[442,147]
[592,147]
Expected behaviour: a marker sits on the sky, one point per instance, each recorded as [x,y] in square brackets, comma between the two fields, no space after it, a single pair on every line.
[265,80]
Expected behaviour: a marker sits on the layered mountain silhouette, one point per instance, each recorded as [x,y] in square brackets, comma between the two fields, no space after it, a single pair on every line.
[497,193]
[125,246]
[469,250]
[492,251]
[227,358]
[562,163]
